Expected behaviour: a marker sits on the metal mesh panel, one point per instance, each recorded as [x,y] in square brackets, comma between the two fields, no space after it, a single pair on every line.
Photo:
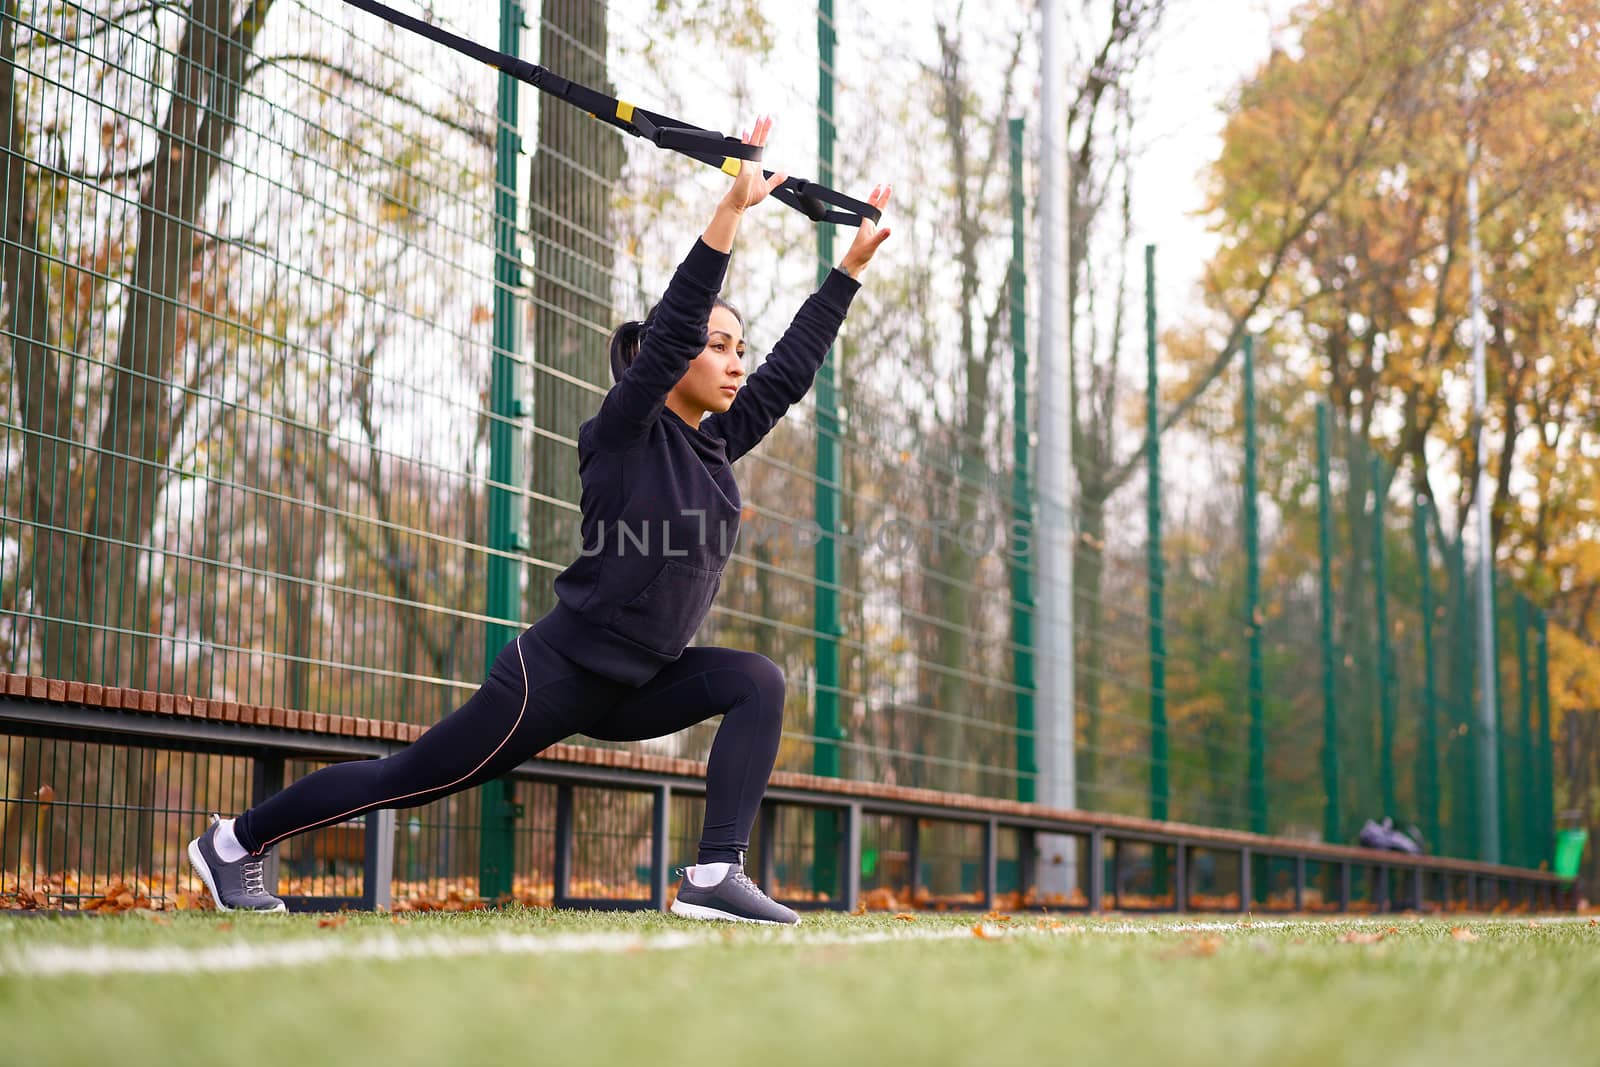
[101,820]
[293,373]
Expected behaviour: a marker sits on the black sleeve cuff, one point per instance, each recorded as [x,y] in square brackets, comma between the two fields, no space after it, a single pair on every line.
[838,289]
[705,264]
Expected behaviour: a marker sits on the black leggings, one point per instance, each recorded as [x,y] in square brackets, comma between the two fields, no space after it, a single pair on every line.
[534,696]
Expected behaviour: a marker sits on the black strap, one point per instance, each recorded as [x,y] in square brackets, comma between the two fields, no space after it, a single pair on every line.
[707,146]
[812,200]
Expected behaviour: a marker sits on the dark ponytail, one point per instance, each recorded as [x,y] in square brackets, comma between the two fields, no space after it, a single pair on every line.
[625,345]
[625,339]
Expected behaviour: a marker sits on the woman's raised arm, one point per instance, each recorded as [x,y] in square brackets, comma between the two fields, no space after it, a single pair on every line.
[677,331]
[748,190]
[785,377]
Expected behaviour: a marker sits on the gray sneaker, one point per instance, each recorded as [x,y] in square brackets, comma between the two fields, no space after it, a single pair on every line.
[735,898]
[234,886]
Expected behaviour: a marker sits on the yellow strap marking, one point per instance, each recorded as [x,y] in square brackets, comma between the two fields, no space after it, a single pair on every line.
[624,111]
[731,165]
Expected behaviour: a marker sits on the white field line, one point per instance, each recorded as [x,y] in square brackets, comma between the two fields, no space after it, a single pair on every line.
[41,960]
[50,960]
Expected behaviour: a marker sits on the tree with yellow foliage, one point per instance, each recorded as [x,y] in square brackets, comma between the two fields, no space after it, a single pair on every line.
[1339,196]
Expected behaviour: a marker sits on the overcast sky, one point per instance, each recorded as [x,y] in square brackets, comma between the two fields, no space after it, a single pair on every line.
[1205,49]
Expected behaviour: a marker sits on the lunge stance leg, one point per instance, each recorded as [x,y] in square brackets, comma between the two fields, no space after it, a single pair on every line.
[746,689]
[532,698]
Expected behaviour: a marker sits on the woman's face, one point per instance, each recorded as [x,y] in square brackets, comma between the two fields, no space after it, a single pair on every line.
[717,373]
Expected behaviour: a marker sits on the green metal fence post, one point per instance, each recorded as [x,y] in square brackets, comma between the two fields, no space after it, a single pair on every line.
[825,554]
[1506,790]
[1331,816]
[1545,842]
[1427,770]
[1021,508]
[1380,586]
[1525,850]
[1252,549]
[497,810]
[1157,578]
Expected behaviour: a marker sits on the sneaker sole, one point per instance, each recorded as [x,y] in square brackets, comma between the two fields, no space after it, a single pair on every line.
[700,911]
[200,868]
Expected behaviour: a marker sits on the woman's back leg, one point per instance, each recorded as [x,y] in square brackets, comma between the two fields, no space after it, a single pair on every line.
[532,698]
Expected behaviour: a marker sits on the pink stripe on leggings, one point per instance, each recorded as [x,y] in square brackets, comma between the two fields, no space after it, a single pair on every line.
[387,803]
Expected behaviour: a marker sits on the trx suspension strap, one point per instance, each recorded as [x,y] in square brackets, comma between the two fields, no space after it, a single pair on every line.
[809,198]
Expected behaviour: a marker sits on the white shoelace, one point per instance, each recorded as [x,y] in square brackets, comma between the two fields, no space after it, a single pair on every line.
[254,882]
[744,880]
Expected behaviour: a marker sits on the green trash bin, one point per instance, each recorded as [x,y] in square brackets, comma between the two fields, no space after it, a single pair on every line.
[1569,853]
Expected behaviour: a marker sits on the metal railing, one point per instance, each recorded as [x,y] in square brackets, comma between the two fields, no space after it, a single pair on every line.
[1115,854]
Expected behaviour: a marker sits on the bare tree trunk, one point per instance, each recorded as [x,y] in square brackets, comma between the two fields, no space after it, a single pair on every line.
[574,170]
[297,534]
[1098,159]
[135,438]
[44,395]
[44,403]
[967,436]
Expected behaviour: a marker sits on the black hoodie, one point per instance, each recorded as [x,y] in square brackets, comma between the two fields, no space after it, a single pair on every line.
[660,504]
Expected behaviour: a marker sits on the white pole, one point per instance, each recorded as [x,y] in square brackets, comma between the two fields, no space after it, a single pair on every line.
[1488,721]
[1053,540]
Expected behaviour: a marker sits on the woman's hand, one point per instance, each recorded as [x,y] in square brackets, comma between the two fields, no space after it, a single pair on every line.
[750,187]
[868,237]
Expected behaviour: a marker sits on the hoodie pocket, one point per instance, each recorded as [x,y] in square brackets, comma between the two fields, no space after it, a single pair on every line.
[668,611]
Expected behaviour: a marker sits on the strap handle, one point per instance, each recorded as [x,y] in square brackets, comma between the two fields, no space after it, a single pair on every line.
[812,200]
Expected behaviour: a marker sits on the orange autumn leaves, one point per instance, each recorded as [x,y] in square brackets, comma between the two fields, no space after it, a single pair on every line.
[1339,200]
[1373,937]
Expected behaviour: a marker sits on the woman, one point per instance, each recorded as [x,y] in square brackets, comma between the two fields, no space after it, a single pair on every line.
[660,516]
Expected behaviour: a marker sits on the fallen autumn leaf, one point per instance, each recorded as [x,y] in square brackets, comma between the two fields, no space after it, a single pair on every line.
[1360,937]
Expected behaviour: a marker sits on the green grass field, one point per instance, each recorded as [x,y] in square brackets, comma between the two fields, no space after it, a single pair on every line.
[546,987]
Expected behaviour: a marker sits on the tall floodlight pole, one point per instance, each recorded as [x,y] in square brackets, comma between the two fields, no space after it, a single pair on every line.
[1053,542]
[1488,720]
